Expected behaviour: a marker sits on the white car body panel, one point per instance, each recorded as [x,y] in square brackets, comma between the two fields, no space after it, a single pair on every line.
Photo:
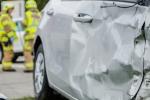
[18,46]
[97,60]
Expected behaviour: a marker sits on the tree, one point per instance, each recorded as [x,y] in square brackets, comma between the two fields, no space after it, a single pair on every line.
[41,3]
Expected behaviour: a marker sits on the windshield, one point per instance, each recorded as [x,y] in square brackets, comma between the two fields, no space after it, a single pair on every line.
[19,27]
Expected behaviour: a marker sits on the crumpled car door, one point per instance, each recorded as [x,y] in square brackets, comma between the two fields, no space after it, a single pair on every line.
[144,92]
[107,50]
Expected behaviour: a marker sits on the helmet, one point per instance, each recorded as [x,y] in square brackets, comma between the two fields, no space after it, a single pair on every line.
[8,7]
[31,4]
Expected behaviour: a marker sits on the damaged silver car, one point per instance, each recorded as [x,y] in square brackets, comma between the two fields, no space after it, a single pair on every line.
[93,50]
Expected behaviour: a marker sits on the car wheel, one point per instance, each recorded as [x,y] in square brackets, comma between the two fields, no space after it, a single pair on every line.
[1,54]
[41,87]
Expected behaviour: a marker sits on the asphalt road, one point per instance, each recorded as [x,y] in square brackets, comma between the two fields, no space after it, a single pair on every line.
[16,84]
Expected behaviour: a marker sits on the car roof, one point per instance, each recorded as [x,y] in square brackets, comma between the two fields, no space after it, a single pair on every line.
[124,0]
[132,1]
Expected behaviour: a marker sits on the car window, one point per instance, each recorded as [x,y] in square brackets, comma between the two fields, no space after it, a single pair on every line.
[19,27]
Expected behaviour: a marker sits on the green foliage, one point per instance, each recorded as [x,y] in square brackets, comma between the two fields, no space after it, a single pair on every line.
[41,3]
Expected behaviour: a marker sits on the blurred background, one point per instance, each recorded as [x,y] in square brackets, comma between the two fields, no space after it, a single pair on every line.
[40,3]
[17,85]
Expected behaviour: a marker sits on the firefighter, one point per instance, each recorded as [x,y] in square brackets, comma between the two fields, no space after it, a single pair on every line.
[31,22]
[7,37]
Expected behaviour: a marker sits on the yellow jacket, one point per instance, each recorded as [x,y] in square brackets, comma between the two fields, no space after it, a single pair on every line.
[7,27]
[31,22]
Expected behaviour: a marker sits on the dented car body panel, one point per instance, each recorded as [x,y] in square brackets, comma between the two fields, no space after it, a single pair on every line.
[96,50]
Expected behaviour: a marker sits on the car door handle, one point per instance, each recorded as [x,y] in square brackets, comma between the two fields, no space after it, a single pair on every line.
[83,18]
[50,12]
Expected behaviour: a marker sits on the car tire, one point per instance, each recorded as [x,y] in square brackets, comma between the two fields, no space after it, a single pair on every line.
[1,54]
[41,87]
